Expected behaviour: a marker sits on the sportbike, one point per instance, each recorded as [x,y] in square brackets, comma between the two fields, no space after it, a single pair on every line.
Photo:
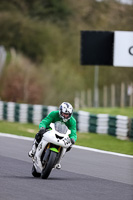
[51,149]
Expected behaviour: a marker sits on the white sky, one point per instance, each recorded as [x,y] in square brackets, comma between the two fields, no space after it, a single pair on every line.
[123,1]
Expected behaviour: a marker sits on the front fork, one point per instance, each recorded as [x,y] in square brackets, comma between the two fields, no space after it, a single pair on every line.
[60,154]
[50,147]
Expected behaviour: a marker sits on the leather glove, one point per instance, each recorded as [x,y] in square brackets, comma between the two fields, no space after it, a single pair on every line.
[73,142]
[39,135]
[42,131]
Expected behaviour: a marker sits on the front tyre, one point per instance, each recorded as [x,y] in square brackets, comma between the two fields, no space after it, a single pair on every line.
[50,164]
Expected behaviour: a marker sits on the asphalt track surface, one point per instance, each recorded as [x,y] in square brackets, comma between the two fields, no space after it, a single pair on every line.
[85,175]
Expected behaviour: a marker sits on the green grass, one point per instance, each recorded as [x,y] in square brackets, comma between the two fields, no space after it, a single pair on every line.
[127,111]
[105,142]
[102,142]
[28,130]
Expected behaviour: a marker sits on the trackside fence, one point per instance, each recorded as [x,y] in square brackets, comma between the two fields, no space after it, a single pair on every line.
[119,126]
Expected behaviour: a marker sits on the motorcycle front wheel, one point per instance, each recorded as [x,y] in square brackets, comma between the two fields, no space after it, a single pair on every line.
[50,164]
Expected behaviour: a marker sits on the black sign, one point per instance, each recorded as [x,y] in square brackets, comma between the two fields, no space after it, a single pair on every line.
[97,47]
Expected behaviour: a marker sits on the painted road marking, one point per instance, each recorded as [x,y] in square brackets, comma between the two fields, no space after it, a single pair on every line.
[75,146]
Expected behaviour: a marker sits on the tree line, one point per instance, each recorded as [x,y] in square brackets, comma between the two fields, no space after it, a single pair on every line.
[47,34]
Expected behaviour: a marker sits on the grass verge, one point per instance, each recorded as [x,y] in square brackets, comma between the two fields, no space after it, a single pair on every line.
[105,142]
[102,142]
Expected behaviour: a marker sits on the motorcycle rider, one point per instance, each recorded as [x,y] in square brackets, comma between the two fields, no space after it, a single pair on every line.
[64,114]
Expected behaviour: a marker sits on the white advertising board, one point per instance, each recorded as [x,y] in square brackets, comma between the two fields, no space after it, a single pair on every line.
[123,49]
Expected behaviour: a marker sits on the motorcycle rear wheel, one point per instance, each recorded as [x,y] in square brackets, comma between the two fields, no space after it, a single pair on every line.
[50,164]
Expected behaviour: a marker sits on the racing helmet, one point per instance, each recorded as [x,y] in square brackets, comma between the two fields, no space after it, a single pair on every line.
[65,111]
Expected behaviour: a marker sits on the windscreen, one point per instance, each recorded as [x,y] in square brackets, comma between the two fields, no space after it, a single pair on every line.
[61,127]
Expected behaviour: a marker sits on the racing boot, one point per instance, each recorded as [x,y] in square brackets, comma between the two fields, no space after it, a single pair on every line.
[33,149]
[58,166]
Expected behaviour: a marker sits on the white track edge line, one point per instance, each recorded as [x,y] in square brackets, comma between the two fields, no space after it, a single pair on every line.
[75,146]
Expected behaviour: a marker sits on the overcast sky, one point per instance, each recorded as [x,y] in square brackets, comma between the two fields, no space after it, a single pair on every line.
[123,1]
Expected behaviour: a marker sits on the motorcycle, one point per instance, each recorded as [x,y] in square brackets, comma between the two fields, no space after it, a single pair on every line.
[51,149]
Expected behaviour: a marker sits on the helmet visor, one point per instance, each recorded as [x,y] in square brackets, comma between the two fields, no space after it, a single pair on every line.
[66,115]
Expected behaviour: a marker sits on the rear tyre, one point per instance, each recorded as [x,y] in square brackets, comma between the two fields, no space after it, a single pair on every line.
[49,166]
[34,172]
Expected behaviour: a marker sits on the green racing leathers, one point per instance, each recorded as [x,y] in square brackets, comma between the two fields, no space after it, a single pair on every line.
[54,117]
